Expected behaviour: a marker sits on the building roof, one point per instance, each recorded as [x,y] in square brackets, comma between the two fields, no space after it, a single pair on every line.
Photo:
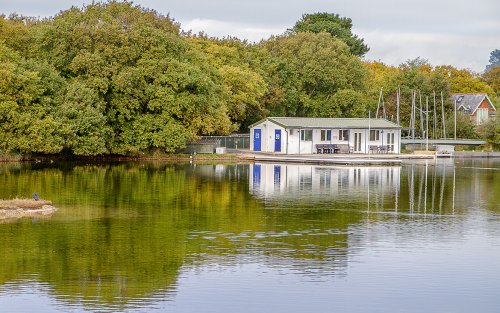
[316,122]
[470,101]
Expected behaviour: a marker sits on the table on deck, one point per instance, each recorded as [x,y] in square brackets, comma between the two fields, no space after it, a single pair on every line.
[379,149]
[332,148]
[327,148]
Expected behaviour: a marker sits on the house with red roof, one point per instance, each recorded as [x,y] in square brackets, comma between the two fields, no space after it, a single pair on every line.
[477,105]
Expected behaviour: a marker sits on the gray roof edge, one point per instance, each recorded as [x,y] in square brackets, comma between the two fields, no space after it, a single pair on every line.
[272,119]
[343,127]
[257,123]
[479,103]
[276,120]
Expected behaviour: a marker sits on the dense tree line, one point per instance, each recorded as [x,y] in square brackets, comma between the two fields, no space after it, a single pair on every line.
[115,78]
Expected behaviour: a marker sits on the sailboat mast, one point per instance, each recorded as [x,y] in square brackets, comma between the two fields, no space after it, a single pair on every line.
[426,123]
[412,121]
[455,118]
[379,100]
[383,107]
[434,117]
[421,116]
[397,105]
[442,112]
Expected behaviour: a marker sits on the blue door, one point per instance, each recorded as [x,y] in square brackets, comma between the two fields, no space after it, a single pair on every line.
[277,140]
[256,139]
[277,176]
[256,175]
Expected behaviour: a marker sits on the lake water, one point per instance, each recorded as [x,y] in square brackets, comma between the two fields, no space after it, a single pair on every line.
[160,237]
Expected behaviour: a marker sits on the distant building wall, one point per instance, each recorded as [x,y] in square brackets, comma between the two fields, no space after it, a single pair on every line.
[268,130]
[293,143]
[477,118]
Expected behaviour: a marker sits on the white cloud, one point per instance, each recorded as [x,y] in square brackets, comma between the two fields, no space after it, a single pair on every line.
[455,32]
[215,28]
[390,47]
[397,47]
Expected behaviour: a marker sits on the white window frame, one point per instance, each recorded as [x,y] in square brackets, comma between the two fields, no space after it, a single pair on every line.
[325,133]
[343,132]
[481,115]
[304,134]
[376,134]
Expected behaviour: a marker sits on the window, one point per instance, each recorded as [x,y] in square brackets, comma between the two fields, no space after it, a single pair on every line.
[305,181]
[326,135]
[374,135]
[481,115]
[390,142]
[343,134]
[306,134]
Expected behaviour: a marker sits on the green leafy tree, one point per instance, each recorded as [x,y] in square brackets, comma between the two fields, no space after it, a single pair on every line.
[344,103]
[494,60]
[83,123]
[241,66]
[415,75]
[118,78]
[27,93]
[311,68]
[463,80]
[490,130]
[142,70]
[15,33]
[338,27]
[465,126]
[492,78]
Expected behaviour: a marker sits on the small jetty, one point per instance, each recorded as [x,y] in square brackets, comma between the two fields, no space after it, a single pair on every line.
[17,208]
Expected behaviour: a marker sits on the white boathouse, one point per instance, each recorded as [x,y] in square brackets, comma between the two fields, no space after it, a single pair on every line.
[305,135]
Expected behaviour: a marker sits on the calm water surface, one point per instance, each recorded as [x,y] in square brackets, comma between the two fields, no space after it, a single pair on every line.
[156,237]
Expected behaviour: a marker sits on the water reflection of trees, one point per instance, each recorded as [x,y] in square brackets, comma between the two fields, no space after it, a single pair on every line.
[126,231]
[122,230]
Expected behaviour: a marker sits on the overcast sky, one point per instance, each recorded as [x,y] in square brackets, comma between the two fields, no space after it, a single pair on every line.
[461,33]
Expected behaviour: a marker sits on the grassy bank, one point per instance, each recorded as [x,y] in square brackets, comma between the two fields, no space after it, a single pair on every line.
[175,157]
[4,157]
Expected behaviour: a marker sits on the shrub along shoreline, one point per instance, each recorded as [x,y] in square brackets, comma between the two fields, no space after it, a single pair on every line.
[228,157]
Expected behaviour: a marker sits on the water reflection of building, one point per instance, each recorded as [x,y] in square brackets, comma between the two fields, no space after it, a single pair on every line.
[414,188]
[289,181]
